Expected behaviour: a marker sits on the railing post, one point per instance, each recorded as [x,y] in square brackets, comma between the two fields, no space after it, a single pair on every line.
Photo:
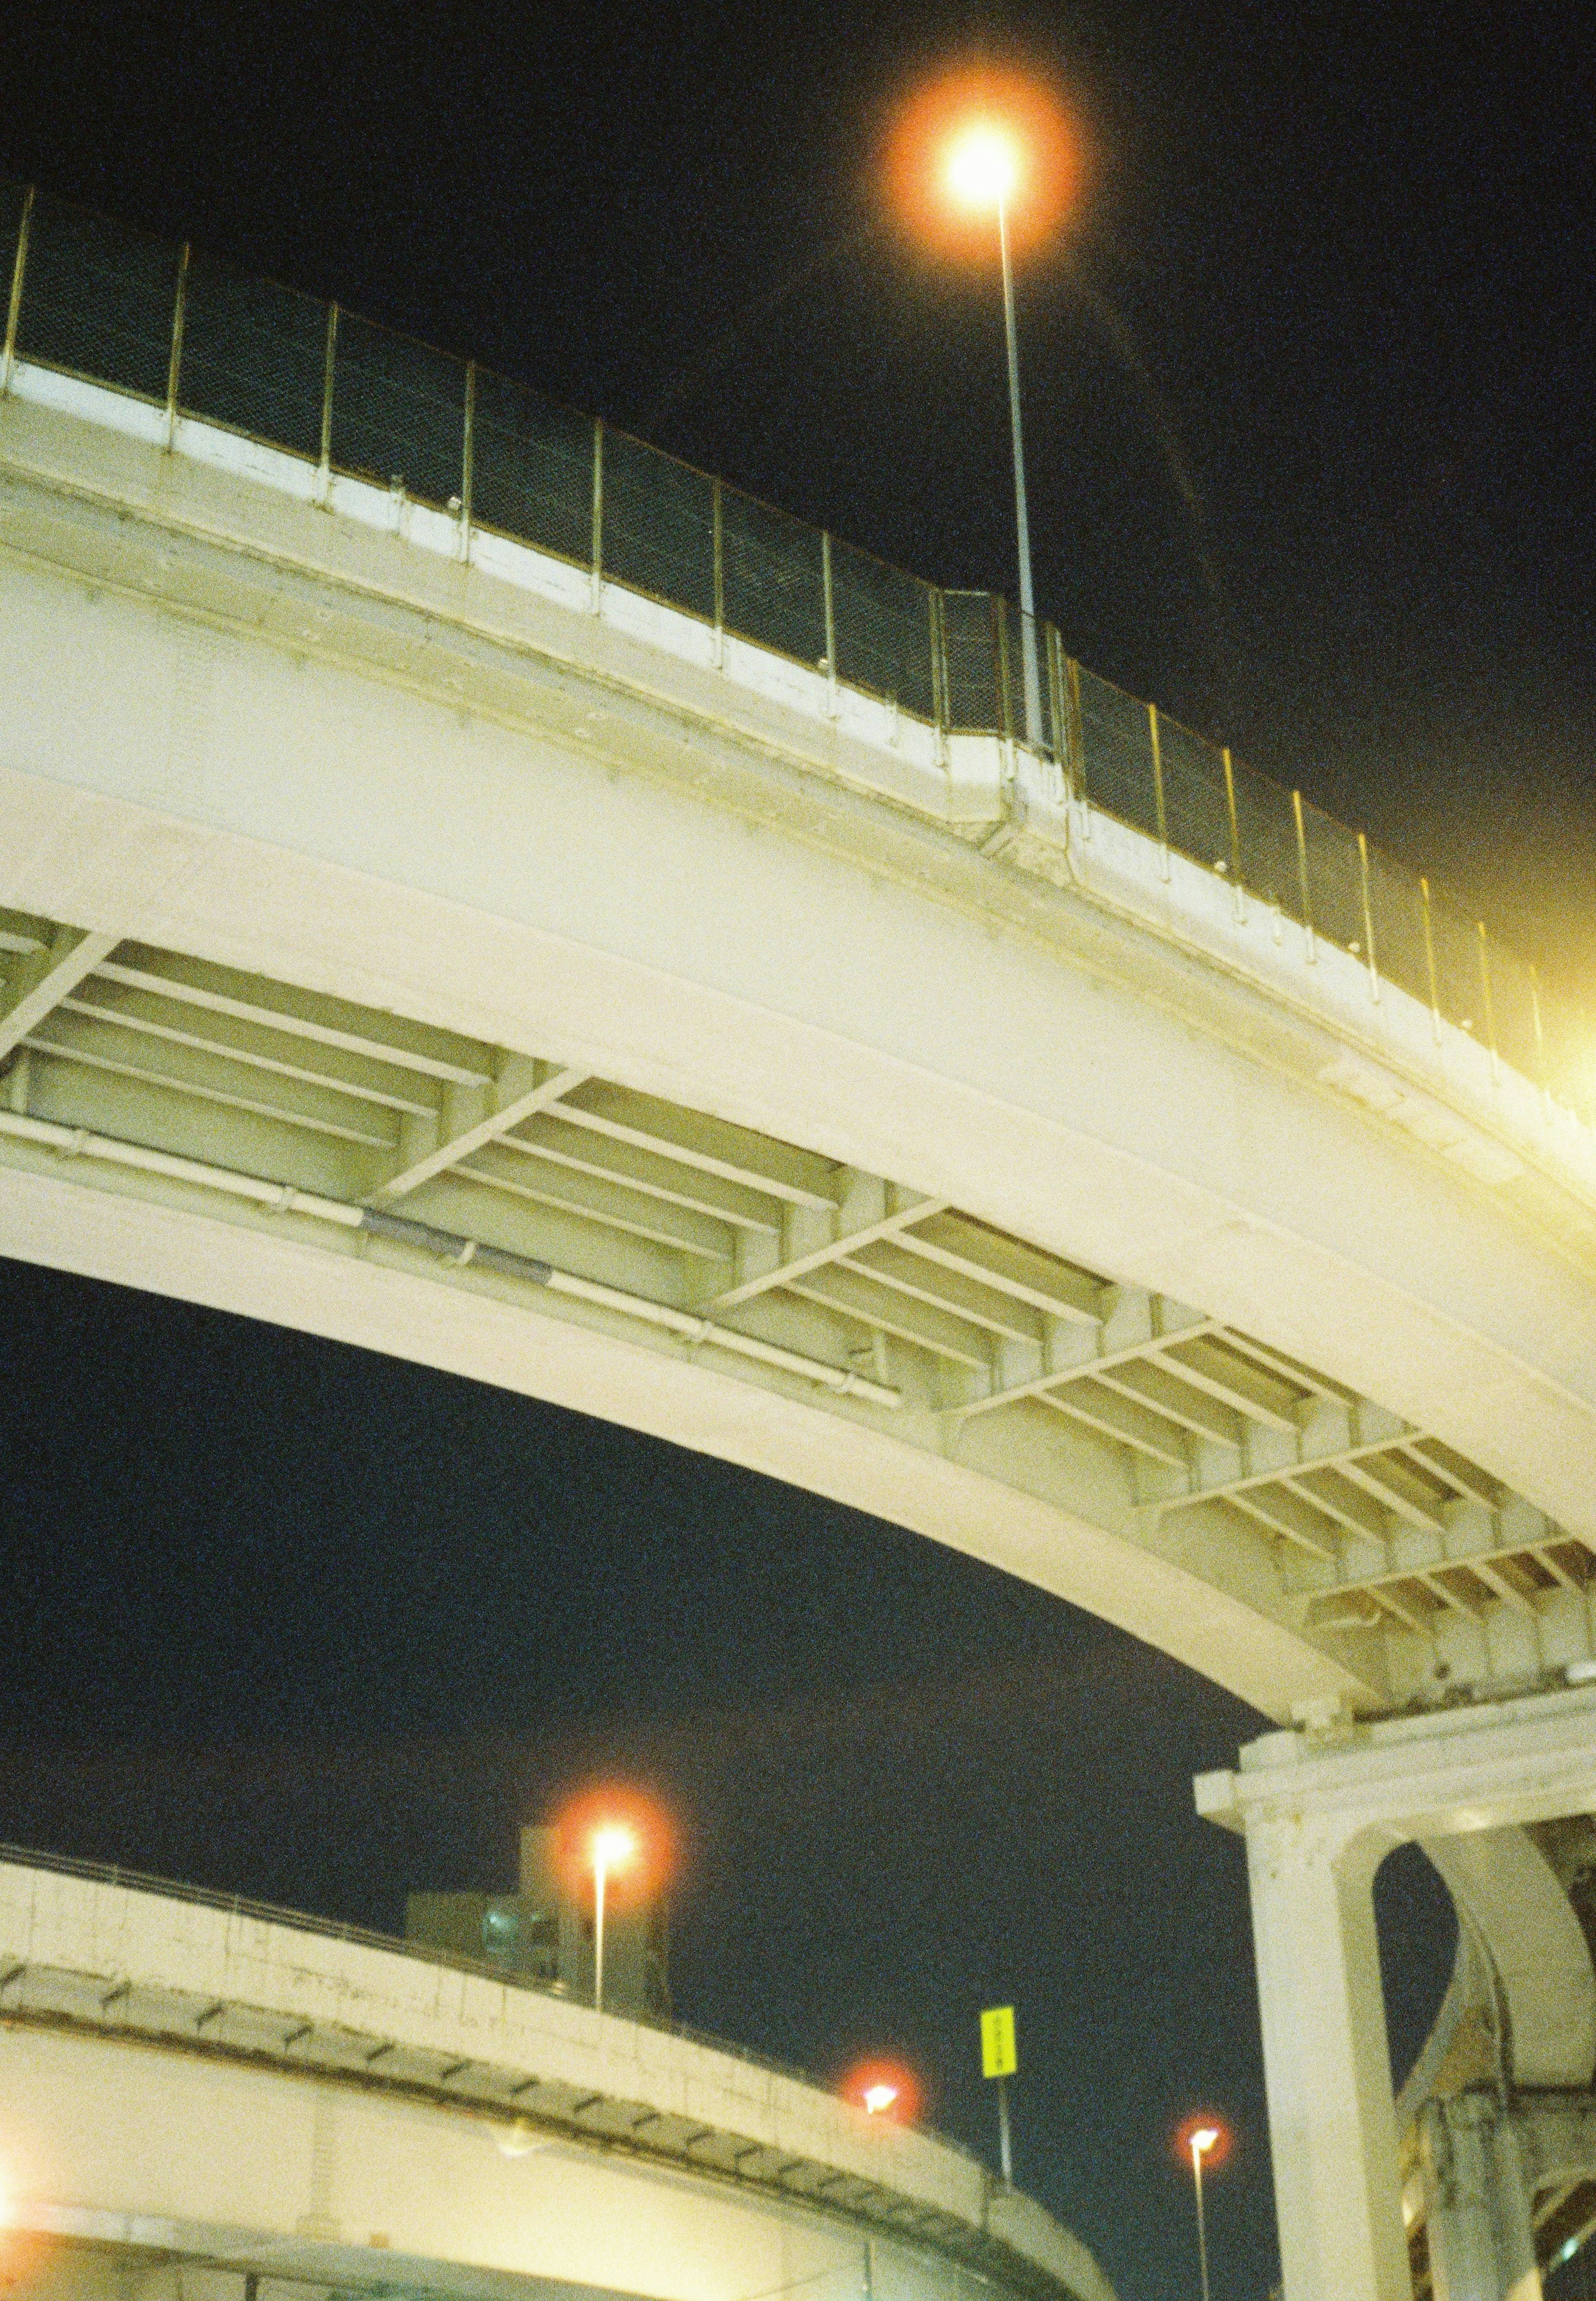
[718,527]
[13,309]
[1152,725]
[1485,993]
[1368,917]
[1235,832]
[468,450]
[830,620]
[1308,903]
[598,551]
[175,363]
[324,475]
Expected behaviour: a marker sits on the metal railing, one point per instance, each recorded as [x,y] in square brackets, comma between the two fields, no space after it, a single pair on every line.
[196,339]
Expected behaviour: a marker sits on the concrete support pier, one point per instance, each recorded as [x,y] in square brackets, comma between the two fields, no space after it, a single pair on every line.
[1320,1808]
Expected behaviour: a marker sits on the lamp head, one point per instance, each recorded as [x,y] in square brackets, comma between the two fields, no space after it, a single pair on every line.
[613,1845]
[878,2098]
[1203,2140]
[982,165]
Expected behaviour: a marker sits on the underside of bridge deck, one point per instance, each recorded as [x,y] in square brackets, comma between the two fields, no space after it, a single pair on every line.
[545,1185]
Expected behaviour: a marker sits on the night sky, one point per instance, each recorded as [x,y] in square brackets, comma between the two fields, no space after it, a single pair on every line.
[1309,407]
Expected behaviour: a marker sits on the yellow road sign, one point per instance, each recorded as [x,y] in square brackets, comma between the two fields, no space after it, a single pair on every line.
[997,2055]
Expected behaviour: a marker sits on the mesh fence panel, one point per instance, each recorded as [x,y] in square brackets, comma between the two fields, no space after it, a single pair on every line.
[1195,807]
[882,619]
[774,578]
[1117,753]
[97,299]
[1396,903]
[1335,882]
[970,662]
[1513,1012]
[532,468]
[1266,834]
[398,411]
[1458,988]
[658,533]
[254,357]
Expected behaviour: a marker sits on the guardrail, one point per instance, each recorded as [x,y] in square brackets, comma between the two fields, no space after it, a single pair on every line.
[175,327]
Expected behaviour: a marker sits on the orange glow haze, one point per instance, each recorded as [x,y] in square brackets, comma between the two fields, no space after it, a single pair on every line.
[629,1830]
[963,134]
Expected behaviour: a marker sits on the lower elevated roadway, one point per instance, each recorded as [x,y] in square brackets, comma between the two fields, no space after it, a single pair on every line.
[201,2102]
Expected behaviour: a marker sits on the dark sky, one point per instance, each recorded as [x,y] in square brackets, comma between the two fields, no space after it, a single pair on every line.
[1308,402]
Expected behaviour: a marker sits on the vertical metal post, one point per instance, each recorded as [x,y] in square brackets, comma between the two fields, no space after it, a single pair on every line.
[1005,2146]
[1485,992]
[718,524]
[1152,724]
[1033,707]
[13,310]
[468,453]
[175,363]
[1308,904]
[597,551]
[325,476]
[1368,917]
[1424,897]
[599,1880]
[1235,828]
[1202,2232]
[830,616]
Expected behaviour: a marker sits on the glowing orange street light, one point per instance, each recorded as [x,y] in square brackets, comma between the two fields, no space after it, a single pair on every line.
[993,142]
[611,1847]
[1205,2138]
[887,2090]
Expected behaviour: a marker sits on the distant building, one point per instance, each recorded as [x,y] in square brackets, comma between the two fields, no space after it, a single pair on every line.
[543,1934]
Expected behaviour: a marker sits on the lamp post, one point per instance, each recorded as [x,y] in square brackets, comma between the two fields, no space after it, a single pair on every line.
[613,1846]
[1202,2140]
[982,172]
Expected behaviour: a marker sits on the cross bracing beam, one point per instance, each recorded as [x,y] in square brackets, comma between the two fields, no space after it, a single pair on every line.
[887,1294]
[472,1117]
[43,977]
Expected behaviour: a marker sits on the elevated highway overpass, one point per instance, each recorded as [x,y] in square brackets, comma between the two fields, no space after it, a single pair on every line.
[422,935]
[199,2099]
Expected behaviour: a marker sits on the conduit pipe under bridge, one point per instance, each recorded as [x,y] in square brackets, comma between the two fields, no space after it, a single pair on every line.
[418,942]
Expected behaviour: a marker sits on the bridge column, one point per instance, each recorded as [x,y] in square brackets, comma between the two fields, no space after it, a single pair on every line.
[1332,2120]
[1319,1810]
[1477,2203]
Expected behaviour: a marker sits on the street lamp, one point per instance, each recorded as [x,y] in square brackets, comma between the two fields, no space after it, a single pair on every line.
[984,173]
[879,2098]
[611,1847]
[1203,2139]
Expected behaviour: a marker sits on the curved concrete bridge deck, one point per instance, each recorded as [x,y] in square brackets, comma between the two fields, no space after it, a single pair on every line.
[243,2093]
[453,956]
